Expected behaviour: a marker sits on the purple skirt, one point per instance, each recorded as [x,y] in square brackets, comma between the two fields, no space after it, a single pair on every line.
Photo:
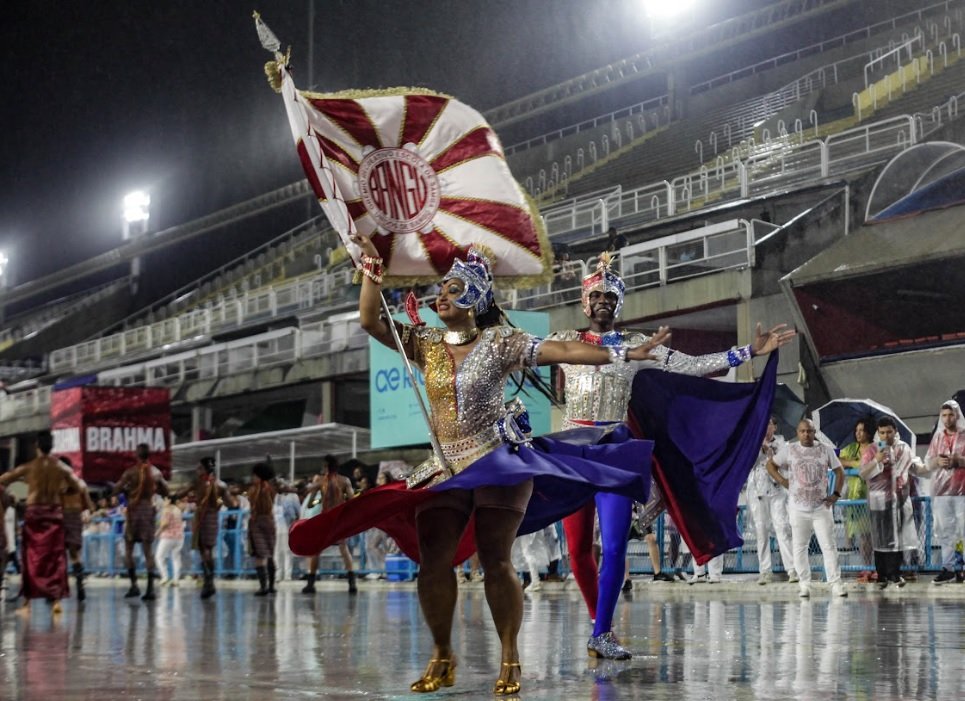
[565,476]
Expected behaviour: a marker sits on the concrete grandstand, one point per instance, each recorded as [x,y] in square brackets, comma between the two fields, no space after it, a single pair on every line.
[739,164]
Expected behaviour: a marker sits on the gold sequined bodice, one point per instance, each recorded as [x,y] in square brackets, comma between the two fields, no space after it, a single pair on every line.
[466,400]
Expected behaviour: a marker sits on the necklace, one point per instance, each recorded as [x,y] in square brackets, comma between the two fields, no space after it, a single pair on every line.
[460,338]
[608,338]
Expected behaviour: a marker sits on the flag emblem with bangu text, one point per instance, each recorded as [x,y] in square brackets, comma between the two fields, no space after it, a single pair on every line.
[422,174]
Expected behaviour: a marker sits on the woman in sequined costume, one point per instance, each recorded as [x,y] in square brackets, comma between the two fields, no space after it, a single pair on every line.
[505,486]
[596,404]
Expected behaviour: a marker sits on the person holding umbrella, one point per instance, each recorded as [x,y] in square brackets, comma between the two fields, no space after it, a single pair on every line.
[854,455]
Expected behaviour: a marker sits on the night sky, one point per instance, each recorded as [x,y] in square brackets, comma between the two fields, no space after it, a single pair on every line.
[105,96]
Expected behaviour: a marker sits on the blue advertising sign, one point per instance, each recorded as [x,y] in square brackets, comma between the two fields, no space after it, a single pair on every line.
[394,412]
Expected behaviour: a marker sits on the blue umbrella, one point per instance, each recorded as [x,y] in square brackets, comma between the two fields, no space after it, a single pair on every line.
[837,420]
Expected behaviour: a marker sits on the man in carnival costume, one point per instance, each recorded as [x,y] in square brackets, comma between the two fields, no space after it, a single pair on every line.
[596,404]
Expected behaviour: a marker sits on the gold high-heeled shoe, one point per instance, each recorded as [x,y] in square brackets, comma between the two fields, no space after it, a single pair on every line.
[503,687]
[430,682]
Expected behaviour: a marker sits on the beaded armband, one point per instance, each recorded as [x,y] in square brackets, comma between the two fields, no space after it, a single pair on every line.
[531,358]
[738,356]
[372,269]
[618,354]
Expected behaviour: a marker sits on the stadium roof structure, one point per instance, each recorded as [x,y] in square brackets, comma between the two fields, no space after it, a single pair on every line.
[883,288]
[284,447]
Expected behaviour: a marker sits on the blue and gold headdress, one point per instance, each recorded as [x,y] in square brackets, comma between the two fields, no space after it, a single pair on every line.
[476,276]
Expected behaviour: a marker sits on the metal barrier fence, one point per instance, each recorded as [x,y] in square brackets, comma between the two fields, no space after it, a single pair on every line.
[103,552]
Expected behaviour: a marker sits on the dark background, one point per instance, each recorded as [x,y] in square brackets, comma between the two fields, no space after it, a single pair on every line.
[103,97]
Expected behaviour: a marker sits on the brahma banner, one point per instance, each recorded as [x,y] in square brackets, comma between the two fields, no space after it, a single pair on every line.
[99,428]
[421,173]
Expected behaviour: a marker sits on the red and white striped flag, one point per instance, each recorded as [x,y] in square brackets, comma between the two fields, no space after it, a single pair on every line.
[421,173]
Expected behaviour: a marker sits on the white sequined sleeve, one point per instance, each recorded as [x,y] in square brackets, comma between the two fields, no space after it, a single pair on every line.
[698,365]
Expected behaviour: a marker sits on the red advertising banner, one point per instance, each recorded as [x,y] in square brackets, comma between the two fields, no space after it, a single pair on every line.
[99,428]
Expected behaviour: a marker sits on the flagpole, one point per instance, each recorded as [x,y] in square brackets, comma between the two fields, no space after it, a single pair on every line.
[334,204]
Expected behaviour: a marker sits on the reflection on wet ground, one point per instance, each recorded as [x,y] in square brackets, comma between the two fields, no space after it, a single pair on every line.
[736,642]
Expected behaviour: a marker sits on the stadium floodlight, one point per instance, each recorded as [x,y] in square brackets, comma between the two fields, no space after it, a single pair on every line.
[662,10]
[137,207]
[3,263]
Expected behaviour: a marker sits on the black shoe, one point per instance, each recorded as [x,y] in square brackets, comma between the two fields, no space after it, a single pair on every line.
[352,589]
[663,577]
[944,577]
[132,592]
[960,577]
[627,586]
[149,593]
[79,581]
[900,581]
[680,574]
[272,570]
[883,584]
[310,587]
[262,581]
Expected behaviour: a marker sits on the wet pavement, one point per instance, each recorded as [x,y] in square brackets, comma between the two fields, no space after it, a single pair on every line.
[730,641]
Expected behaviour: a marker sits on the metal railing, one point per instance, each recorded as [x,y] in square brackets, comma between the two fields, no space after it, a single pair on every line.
[26,325]
[774,168]
[103,549]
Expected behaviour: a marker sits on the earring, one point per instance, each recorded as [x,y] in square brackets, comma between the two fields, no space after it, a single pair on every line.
[471,313]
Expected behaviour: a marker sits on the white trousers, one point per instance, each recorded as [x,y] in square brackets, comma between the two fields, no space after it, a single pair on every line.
[376,543]
[949,516]
[169,548]
[282,554]
[770,516]
[714,567]
[821,523]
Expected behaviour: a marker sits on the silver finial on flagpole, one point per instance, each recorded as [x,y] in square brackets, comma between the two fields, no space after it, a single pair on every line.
[265,35]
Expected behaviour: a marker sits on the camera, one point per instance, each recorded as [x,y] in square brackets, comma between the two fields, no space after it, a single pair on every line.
[882,445]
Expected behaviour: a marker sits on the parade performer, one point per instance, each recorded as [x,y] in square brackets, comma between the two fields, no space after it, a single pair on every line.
[44,557]
[261,527]
[74,505]
[140,483]
[491,472]
[209,494]
[597,396]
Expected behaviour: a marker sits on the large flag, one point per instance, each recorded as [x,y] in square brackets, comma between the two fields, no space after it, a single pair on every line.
[421,173]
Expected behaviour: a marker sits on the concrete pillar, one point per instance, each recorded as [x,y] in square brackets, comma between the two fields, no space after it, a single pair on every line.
[327,391]
[200,421]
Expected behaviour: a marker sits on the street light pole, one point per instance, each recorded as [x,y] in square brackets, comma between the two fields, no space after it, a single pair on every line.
[137,214]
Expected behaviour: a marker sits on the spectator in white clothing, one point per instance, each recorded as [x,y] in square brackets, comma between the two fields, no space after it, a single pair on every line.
[945,461]
[809,506]
[767,501]
[287,509]
[170,540]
